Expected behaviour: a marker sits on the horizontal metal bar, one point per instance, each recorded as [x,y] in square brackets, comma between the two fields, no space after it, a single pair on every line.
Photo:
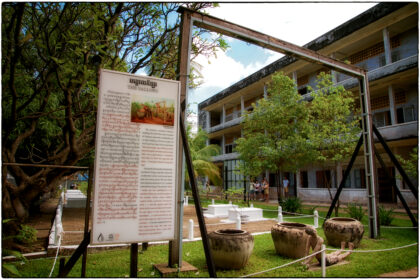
[44,165]
[254,37]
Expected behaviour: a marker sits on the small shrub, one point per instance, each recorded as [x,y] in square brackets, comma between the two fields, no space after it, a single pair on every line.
[292,204]
[385,216]
[355,211]
[27,234]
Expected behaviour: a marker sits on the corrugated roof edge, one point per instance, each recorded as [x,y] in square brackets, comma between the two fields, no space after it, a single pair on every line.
[341,31]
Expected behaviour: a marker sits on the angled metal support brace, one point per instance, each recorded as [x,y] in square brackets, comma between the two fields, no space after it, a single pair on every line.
[197,204]
[394,160]
[397,190]
[346,174]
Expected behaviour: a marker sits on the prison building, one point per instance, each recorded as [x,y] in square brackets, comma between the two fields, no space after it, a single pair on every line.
[384,41]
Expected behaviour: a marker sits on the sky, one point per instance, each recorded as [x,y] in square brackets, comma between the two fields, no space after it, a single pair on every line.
[297,23]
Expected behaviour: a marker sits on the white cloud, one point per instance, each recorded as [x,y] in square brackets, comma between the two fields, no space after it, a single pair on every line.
[297,23]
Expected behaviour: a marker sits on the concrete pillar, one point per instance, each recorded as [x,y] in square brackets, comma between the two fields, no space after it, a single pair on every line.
[352,179]
[387,46]
[208,119]
[392,105]
[298,180]
[294,77]
[339,171]
[242,104]
[223,114]
[333,73]
[223,144]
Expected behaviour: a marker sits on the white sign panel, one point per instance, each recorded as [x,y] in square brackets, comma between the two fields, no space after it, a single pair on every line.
[135,161]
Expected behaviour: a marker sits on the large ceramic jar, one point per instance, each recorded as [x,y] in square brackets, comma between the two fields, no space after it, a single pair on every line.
[340,229]
[231,248]
[290,239]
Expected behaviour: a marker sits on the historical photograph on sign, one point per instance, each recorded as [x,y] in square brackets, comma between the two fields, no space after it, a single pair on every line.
[151,110]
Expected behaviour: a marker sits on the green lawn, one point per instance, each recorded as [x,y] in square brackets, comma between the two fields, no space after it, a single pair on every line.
[116,263]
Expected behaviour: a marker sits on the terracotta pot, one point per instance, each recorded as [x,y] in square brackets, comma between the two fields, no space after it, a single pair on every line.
[343,229]
[231,248]
[290,239]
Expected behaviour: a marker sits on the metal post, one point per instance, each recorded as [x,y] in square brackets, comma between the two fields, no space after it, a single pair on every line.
[134,252]
[199,211]
[369,156]
[183,69]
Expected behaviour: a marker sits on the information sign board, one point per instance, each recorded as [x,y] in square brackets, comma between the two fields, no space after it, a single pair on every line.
[135,159]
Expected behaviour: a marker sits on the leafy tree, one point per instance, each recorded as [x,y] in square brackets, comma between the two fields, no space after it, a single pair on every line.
[201,155]
[335,127]
[276,132]
[51,54]
[285,132]
[410,164]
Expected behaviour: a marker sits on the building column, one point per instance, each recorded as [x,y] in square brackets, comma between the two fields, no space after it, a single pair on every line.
[352,179]
[295,77]
[298,180]
[333,73]
[223,144]
[223,114]
[387,46]
[208,120]
[392,104]
[265,90]
[398,180]
[242,104]
[339,176]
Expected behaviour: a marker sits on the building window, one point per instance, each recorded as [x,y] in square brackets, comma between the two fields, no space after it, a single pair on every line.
[382,118]
[360,179]
[229,148]
[232,178]
[304,179]
[406,114]
[347,183]
[323,179]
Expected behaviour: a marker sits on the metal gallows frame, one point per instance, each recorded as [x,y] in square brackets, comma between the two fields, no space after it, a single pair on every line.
[190,18]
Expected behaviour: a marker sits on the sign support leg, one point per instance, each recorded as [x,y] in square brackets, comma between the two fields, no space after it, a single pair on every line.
[134,249]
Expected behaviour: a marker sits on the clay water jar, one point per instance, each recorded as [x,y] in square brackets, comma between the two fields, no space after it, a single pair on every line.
[231,248]
[340,229]
[290,239]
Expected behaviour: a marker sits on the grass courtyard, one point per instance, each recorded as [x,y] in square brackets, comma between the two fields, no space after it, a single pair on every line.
[116,263]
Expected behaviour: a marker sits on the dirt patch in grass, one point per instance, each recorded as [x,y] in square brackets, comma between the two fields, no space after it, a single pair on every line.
[414,272]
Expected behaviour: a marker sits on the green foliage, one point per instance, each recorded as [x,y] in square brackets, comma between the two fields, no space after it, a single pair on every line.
[9,269]
[52,53]
[410,164]
[385,216]
[234,194]
[114,263]
[201,156]
[335,126]
[275,133]
[292,205]
[285,132]
[355,211]
[27,234]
